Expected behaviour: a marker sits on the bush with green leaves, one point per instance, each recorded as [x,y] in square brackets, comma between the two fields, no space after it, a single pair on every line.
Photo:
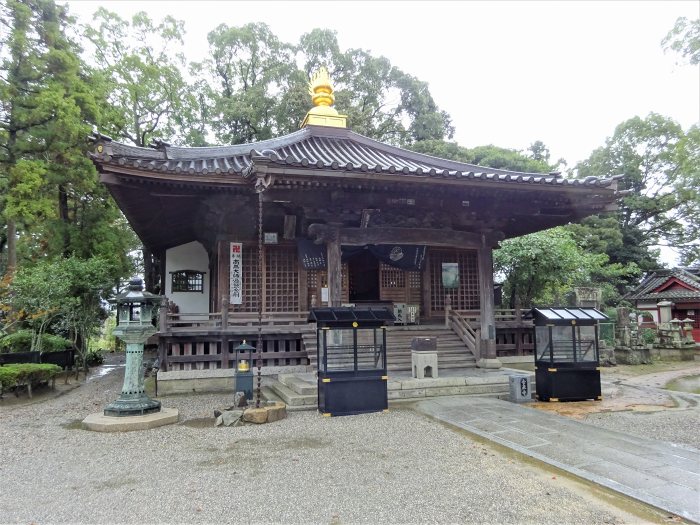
[648,336]
[21,341]
[93,358]
[26,373]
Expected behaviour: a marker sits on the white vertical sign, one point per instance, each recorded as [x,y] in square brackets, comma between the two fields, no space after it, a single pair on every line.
[236,274]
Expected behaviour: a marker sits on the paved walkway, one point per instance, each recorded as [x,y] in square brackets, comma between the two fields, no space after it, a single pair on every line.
[661,474]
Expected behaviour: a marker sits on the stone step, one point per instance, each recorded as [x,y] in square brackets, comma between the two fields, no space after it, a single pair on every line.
[298,385]
[270,395]
[291,398]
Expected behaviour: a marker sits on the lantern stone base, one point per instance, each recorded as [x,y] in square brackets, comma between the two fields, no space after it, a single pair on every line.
[98,422]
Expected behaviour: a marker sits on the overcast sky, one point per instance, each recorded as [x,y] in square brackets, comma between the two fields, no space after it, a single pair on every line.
[508,73]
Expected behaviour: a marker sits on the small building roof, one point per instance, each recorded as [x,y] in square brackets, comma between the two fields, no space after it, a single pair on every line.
[658,285]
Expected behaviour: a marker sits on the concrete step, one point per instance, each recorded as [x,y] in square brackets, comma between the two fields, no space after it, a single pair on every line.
[270,395]
[299,386]
[291,398]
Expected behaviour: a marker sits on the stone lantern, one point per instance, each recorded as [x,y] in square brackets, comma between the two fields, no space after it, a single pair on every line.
[688,328]
[134,326]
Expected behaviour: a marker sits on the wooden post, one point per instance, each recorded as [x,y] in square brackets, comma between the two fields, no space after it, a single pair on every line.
[487,321]
[448,307]
[335,276]
[224,312]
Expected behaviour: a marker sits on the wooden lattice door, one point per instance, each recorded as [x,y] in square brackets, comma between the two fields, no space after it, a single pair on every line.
[399,286]
[281,279]
[466,296]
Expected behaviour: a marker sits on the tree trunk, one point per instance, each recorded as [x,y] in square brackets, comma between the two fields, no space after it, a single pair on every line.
[63,215]
[11,246]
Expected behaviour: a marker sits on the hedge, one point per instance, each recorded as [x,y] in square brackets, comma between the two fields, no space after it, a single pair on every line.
[26,373]
[21,341]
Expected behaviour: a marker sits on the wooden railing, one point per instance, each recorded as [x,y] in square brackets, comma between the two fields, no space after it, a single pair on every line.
[465,331]
[170,322]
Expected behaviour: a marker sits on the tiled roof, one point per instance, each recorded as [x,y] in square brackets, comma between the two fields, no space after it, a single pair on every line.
[657,278]
[317,147]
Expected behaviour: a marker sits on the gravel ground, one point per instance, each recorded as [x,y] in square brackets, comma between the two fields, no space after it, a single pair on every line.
[674,426]
[395,467]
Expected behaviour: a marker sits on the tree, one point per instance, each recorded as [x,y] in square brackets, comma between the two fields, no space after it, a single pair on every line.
[66,294]
[544,267]
[52,199]
[141,76]
[490,156]
[662,175]
[140,65]
[258,92]
[684,38]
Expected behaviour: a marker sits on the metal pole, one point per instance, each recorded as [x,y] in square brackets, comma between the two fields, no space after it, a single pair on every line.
[261,277]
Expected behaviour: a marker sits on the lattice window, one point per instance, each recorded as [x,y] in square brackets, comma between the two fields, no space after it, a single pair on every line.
[392,277]
[281,279]
[414,280]
[251,280]
[466,297]
[188,281]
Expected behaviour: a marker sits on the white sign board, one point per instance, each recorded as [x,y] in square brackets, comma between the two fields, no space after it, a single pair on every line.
[236,274]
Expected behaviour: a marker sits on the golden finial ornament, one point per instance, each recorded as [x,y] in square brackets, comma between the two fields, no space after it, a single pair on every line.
[323,114]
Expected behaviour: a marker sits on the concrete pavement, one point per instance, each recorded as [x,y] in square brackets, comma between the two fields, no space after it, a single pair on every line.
[661,474]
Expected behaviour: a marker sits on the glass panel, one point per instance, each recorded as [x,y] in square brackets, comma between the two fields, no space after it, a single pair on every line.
[319,347]
[542,341]
[581,314]
[563,344]
[369,349]
[585,343]
[339,349]
[564,314]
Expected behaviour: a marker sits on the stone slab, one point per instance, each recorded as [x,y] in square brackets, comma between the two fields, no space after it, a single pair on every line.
[665,479]
[98,422]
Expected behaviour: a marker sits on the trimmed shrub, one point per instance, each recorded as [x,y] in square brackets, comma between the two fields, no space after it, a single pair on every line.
[19,341]
[54,343]
[13,375]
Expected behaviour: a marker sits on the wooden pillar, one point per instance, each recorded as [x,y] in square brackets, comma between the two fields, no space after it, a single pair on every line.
[489,358]
[222,278]
[335,271]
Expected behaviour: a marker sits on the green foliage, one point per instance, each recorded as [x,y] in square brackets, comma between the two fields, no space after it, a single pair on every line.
[491,156]
[258,91]
[661,167]
[32,373]
[684,38]
[21,341]
[140,75]
[543,267]
[648,336]
[91,358]
[49,190]
[64,293]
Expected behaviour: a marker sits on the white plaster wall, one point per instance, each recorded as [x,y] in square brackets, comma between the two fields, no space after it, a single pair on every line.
[190,256]
[650,308]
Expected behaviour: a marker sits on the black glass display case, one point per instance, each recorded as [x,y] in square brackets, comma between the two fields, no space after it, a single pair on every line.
[566,353]
[351,351]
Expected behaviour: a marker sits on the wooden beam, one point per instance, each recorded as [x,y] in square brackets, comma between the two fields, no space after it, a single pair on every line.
[379,235]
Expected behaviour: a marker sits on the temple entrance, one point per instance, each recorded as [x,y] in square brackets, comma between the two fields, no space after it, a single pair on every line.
[363,270]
